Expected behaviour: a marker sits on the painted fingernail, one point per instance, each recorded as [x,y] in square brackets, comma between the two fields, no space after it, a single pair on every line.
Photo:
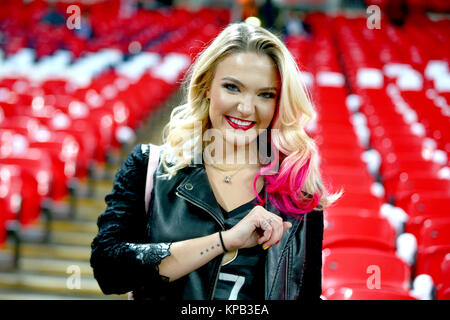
[266,248]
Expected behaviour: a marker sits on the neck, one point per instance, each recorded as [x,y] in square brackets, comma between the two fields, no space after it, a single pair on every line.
[226,167]
[240,155]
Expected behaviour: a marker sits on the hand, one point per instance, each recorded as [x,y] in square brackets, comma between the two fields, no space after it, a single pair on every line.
[259,226]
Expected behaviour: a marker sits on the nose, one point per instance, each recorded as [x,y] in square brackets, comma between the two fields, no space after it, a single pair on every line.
[246,106]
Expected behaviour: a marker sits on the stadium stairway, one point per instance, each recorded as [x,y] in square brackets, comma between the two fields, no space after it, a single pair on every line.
[59,268]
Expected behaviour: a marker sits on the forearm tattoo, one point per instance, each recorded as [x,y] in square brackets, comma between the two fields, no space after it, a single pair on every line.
[213,247]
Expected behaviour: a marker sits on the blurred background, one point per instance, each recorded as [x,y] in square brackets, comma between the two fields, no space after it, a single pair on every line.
[81,82]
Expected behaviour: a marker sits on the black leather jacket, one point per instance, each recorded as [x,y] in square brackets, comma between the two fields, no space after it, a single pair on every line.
[130,244]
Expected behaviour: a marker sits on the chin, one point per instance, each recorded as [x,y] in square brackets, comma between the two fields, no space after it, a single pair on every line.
[240,138]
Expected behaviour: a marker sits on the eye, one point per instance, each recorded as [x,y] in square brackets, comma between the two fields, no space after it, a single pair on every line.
[230,87]
[267,95]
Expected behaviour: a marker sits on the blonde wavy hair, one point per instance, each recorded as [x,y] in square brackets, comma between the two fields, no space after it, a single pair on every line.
[182,135]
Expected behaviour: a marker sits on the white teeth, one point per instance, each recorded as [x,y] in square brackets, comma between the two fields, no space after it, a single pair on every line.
[239,122]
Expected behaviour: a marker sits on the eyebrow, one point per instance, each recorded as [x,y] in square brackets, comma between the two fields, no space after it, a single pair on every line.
[242,85]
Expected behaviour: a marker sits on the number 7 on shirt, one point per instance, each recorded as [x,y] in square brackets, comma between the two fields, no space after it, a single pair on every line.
[238,283]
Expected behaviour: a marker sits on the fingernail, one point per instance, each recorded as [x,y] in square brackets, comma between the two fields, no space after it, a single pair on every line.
[266,248]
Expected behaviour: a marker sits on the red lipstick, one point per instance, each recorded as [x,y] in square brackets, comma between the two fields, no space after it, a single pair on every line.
[241,125]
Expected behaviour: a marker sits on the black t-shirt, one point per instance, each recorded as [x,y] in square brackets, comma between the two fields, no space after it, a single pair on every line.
[242,274]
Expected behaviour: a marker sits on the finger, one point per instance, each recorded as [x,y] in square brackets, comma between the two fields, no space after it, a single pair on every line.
[277,231]
[286,225]
[267,229]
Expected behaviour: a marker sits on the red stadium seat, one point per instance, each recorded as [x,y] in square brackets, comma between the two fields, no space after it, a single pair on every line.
[433,246]
[351,163]
[353,152]
[36,164]
[405,185]
[430,115]
[3,230]
[443,288]
[30,202]
[23,125]
[62,148]
[364,267]
[98,119]
[346,173]
[357,231]
[351,181]
[351,211]
[64,152]
[393,166]
[359,201]
[404,143]
[84,133]
[424,206]
[10,195]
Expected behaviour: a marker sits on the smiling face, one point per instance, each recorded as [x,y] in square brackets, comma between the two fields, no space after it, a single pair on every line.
[243,96]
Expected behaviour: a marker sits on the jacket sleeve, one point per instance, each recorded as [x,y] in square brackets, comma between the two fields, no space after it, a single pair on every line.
[312,277]
[120,258]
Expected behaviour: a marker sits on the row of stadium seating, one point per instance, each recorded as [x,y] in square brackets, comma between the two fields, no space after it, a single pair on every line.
[408,116]
[386,150]
[160,31]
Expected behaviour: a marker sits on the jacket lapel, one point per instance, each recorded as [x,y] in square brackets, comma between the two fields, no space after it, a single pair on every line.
[276,254]
[196,189]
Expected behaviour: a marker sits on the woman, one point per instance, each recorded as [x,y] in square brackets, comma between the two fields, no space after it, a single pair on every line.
[221,225]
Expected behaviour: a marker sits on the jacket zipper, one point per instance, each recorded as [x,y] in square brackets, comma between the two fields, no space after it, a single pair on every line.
[221,226]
